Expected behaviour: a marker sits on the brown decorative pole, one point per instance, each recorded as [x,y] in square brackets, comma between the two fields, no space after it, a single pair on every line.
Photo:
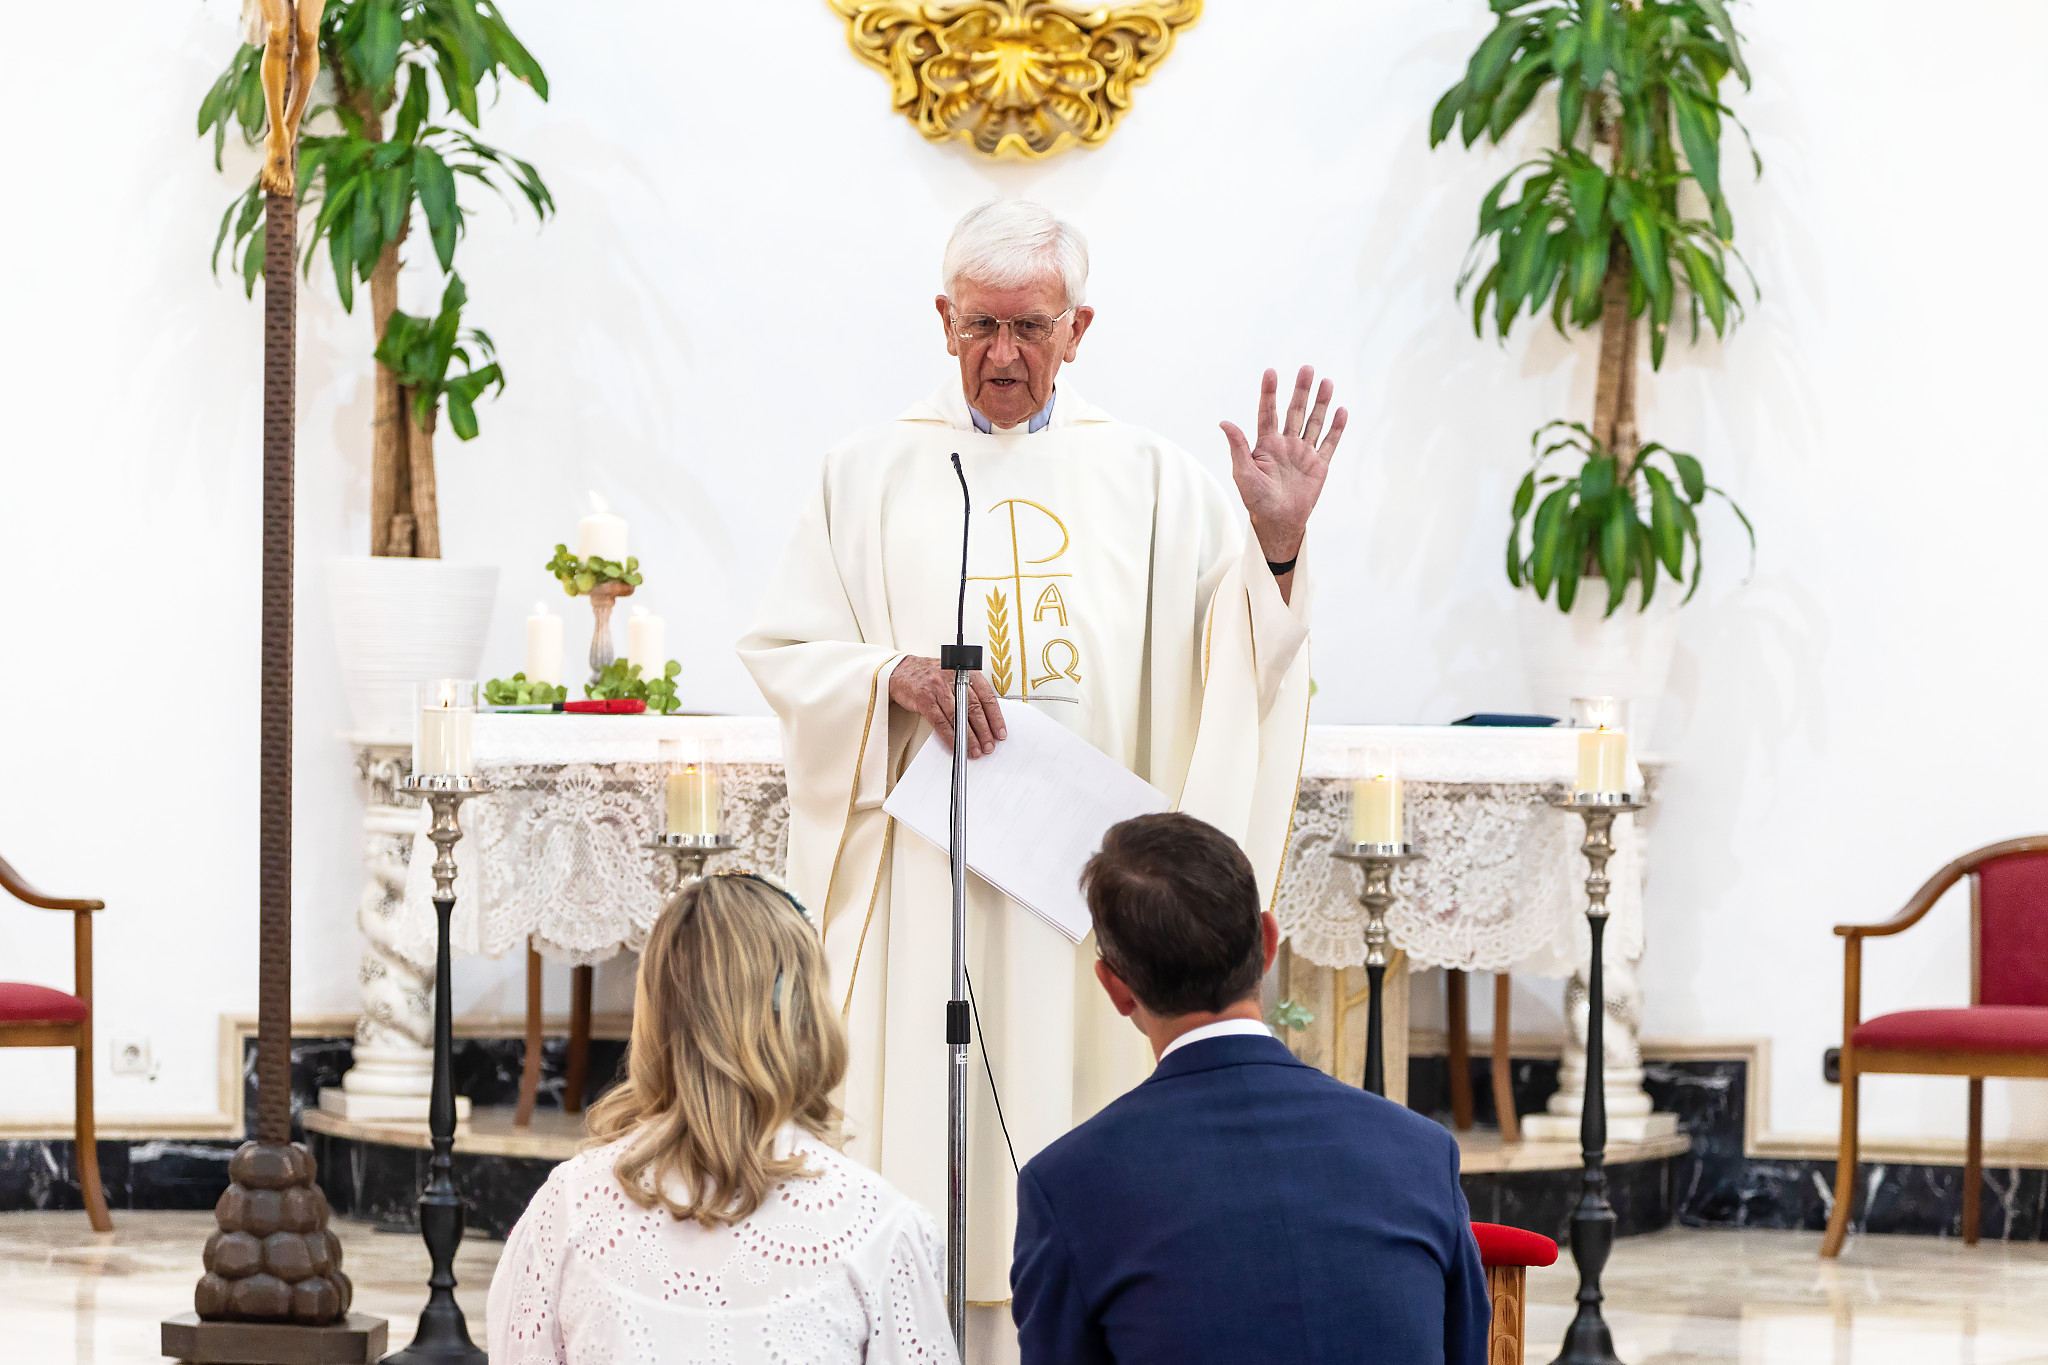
[273,1288]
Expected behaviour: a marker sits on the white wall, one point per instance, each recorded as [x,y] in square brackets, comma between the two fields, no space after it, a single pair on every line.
[742,270]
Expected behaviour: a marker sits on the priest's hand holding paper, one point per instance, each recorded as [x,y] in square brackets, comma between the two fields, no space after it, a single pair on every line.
[920,686]
[1281,475]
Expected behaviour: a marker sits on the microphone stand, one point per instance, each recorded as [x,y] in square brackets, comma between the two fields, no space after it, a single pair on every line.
[964,660]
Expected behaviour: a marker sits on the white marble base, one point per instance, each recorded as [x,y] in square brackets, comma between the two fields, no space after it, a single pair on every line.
[373,1108]
[1625,1128]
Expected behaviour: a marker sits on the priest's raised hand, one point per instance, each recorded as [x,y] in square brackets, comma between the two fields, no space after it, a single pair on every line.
[1281,476]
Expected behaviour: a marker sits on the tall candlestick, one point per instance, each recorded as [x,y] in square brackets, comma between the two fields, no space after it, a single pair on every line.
[1376,814]
[645,645]
[693,797]
[601,534]
[543,645]
[1603,761]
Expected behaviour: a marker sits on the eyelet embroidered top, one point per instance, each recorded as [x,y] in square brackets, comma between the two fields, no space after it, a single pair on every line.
[835,1266]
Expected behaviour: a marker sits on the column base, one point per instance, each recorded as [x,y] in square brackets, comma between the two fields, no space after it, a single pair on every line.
[372,1108]
[357,1339]
[1629,1128]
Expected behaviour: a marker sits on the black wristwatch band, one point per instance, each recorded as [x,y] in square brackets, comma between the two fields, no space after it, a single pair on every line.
[1282,570]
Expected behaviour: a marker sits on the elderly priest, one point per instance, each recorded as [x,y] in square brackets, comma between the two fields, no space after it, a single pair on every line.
[1113,589]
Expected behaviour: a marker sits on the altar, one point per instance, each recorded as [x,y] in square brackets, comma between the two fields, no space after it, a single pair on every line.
[557,862]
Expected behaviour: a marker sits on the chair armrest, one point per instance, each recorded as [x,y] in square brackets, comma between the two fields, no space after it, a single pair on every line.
[1500,1245]
[13,883]
[1923,900]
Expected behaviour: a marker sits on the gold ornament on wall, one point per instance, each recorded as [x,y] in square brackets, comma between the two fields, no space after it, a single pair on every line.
[1024,78]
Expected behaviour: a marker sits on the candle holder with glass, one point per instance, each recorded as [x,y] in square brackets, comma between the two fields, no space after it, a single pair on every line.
[692,792]
[444,776]
[1599,794]
[1379,844]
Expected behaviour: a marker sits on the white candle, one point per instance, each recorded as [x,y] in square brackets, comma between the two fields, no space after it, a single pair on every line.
[445,747]
[1603,761]
[693,796]
[1376,815]
[601,534]
[543,645]
[645,645]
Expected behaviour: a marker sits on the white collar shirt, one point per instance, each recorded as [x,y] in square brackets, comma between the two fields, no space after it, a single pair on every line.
[1222,1028]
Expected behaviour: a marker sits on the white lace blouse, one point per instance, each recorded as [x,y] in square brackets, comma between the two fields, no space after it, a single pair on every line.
[833,1267]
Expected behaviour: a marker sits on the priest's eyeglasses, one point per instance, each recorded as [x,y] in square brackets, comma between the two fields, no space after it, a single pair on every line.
[1026,329]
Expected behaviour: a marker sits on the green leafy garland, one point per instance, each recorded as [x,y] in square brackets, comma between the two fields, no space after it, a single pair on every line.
[621,681]
[518,690]
[578,576]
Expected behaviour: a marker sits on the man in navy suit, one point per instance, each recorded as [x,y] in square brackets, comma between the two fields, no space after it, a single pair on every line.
[1238,1206]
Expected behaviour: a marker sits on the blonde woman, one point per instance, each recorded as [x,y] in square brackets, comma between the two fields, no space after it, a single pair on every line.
[713,1218]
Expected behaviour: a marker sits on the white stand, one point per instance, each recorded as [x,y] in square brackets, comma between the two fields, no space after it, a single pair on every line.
[392,1077]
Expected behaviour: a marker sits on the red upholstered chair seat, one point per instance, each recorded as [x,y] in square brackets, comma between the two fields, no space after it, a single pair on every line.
[1499,1245]
[23,1003]
[1980,1028]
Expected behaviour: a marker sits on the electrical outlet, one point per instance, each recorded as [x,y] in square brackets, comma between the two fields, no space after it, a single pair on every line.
[131,1055]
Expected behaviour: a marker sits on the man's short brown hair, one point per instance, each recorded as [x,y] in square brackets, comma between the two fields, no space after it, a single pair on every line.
[1176,910]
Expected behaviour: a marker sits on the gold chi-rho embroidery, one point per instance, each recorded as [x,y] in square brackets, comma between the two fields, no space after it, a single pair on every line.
[1059,656]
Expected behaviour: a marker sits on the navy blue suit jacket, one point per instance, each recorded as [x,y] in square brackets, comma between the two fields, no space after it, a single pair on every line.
[1240,1207]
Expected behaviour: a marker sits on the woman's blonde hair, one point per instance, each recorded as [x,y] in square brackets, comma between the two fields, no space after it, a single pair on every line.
[734,1036]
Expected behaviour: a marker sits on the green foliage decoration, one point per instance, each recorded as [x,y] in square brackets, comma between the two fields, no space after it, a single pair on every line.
[363,182]
[519,690]
[1639,117]
[420,351]
[621,681]
[1292,1015]
[578,576]
[1626,528]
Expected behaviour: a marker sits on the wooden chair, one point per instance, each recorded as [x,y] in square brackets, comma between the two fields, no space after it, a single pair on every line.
[2003,1032]
[1507,1253]
[578,1068]
[37,1016]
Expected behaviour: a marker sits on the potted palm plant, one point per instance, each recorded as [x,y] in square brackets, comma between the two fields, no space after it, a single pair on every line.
[406,76]
[1621,226]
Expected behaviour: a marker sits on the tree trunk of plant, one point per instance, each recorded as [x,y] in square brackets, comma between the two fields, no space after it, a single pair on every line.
[426,512]
[1614,394]
[389,463]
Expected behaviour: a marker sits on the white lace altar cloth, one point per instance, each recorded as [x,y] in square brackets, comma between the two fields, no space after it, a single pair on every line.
[1500,885]
[836,1267]
[553,852]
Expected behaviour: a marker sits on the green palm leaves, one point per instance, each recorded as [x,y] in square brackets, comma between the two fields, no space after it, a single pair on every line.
[1639,119]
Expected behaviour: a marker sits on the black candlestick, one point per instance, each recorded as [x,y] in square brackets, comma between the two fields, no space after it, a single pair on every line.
[1379,862]
[1587,1341]
[443,1335]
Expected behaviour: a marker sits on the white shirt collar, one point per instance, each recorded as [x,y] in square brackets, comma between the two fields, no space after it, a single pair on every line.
[1222,1028]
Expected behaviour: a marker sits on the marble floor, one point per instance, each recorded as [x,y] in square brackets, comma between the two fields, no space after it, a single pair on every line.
[70,1297]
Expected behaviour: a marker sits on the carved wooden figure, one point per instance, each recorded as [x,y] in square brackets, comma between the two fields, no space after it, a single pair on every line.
[288,31]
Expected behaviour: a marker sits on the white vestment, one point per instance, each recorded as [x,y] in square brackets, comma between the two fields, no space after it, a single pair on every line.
[1111,588]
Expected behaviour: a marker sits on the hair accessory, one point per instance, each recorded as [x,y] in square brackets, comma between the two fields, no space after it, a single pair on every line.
[776,887]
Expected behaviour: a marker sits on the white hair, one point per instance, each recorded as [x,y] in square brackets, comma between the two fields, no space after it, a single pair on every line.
[1011,242]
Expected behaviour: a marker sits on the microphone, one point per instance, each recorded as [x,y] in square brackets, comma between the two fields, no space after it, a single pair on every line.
[960,657]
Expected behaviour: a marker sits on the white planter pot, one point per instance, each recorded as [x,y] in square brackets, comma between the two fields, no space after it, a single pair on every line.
[1586,654]
[399,621]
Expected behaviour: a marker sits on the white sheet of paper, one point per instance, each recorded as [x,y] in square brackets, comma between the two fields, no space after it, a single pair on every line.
[1037,809]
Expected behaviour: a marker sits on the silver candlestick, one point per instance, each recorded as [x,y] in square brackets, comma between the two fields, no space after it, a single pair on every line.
[602,598]
[443,1336]
[1379,862]
[1587,1341]
[692,849]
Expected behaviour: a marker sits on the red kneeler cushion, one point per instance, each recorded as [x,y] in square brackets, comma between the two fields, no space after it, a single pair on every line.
[1500,1245]
[1980,1028]
[22,1003]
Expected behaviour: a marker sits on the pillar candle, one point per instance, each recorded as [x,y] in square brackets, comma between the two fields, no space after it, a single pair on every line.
[1603,761]
[543,645]
[693,796]
[603,535]
[1376,811]
[645,645]
[445,747]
